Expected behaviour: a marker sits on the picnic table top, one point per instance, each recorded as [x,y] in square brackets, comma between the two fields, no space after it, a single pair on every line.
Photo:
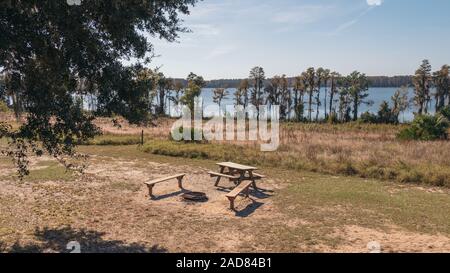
[237,166]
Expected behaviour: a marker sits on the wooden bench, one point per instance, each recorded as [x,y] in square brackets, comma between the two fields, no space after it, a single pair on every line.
[258,176]
[152,183]
[243,187]
[220,175]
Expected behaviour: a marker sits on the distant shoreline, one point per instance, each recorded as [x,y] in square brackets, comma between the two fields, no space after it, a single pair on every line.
[376,81]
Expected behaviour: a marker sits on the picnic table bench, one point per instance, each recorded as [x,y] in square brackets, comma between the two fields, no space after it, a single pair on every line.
[236,173]
[241,188]
[152,183]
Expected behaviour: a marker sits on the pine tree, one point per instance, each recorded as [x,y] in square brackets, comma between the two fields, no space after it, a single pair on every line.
[422,82]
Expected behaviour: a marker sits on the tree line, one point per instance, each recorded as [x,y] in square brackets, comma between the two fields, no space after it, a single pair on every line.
[376,81]
[303,97]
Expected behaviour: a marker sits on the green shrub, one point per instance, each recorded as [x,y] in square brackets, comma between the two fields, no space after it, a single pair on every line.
[368,117]
[386,115]
[446,112]
[426,127]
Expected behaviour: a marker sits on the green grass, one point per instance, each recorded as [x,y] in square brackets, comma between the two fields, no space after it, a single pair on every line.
[119,140]
[51,171]
[400,172]
[367,203]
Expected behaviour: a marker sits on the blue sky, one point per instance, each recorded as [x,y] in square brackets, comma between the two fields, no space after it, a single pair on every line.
[377,37]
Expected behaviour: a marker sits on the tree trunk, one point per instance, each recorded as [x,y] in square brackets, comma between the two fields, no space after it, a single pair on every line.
[441,103]
[355,109]
[296,105]
[318,105]
[161,102]
[310,106]
[326,97]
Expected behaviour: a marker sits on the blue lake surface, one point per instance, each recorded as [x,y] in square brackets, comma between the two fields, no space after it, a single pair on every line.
[376,95]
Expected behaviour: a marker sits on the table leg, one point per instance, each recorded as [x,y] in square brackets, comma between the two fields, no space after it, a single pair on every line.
[250,173]
[241,177]
[222,169]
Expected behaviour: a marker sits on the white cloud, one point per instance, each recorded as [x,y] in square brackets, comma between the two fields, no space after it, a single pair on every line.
[374,2]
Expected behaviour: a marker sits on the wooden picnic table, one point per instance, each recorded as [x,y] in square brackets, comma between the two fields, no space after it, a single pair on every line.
[237,173]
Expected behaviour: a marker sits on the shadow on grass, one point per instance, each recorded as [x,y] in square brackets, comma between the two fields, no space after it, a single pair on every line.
[56,240]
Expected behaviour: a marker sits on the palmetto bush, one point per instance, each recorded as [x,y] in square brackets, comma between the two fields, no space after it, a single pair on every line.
[426,128]
[446,112]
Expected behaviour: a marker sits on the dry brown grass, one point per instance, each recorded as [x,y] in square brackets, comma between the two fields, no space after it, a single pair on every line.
[352,149]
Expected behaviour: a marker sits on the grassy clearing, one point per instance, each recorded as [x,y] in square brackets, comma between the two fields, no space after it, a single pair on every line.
[366,203]
[112,214]
[324,201]
[425,173]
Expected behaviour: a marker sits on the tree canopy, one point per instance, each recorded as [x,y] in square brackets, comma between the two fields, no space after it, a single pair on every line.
[48,47]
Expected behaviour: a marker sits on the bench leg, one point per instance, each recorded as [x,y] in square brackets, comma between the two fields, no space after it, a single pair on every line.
[150,190]
[217,181]
[180,182]
[231,199]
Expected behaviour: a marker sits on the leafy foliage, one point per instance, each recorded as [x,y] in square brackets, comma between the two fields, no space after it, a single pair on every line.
[368,117]
[446,112]
[426,127]
[422,81]
[193,90]
[48,47]
[386,114]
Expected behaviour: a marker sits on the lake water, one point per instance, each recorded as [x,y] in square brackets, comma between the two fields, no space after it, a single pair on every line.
[376,95]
